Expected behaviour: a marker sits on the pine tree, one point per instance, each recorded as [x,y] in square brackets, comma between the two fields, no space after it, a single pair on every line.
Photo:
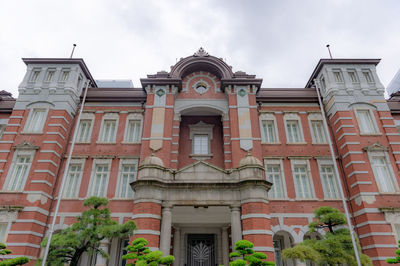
[397,258]
[334,248]
[141,255]
[11,262]
[244,248]
[94,225]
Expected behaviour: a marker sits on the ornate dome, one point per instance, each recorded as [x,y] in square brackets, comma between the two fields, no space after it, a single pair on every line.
[152,160]
[249,160]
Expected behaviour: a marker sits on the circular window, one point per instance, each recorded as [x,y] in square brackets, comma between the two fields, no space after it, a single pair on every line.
[201,87]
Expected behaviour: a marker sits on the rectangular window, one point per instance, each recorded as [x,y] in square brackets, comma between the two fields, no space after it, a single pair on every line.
[34,76]
[84,131]
[36,122]
[133,131]
[127,176]
[50,75]
[382,174]
[108,131]
[302,182]
[64,76]
[353,76]
[329,182]
[293,131]
[269,131]
[19,173]
[3,232]
[72,184]
[368,77]
[365,122]
[318,131]
[200,144]
[338,76]
[2,128]
[99,180]
[274,176]
[323,84]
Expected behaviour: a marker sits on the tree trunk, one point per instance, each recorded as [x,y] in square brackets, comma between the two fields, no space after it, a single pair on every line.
[77,255]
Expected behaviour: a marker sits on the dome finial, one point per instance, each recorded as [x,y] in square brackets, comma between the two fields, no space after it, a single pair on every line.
[201,52]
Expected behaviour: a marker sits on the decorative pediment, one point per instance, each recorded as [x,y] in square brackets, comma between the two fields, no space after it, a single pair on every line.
[201,171]
[200,53]
[26,146]
[201,128]
[376,147]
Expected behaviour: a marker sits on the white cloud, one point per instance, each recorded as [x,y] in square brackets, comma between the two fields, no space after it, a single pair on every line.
[280,41]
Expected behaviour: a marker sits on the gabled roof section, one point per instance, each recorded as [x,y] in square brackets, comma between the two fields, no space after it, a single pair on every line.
[7,102]
[208,165]
[201,61]
[348,61]
[78,61]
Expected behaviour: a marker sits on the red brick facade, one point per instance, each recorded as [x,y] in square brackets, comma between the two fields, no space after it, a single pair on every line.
[201,98]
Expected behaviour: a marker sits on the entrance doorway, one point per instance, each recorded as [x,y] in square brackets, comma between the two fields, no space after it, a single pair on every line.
[200,250]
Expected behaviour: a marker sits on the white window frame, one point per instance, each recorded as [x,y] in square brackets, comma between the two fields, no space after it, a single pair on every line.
[312,117]
[372,116]
[357,79]
[322,82]
[294,117]
[306,163]
[50,75]
[17,154]
[268,117]
[119,181]
[201,128]
[91,186]
[323,163]
[392,176]
[33,77]
[133,117]
[81,162]
[86,117]
[7,217]
[68,73]
[368,72]
[109,116]
[29,122]
[3,125]
[340,75]
[279,162]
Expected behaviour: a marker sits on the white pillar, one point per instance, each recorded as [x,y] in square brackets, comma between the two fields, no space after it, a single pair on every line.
[236,225]
[165,237]
[100,260]
[225,246]
[177,245]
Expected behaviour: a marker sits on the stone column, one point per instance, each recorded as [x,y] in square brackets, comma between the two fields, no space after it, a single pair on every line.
[236,225]
[165,238]
[100,260]
[177,245]
[225,246]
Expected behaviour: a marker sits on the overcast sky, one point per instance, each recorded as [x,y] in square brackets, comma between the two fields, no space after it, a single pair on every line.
[279,41]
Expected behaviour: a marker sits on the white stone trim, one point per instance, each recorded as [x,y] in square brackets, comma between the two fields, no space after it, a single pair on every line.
[147,232]
[379,246]
[255,215]
[360,183]
[146,215]
[271,249]
[22,245]
[376,234]
[257,232]
[59,116]
[25,233]
[354,162]
[350,143]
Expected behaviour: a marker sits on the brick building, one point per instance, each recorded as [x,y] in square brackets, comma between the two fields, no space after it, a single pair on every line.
[200,157]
